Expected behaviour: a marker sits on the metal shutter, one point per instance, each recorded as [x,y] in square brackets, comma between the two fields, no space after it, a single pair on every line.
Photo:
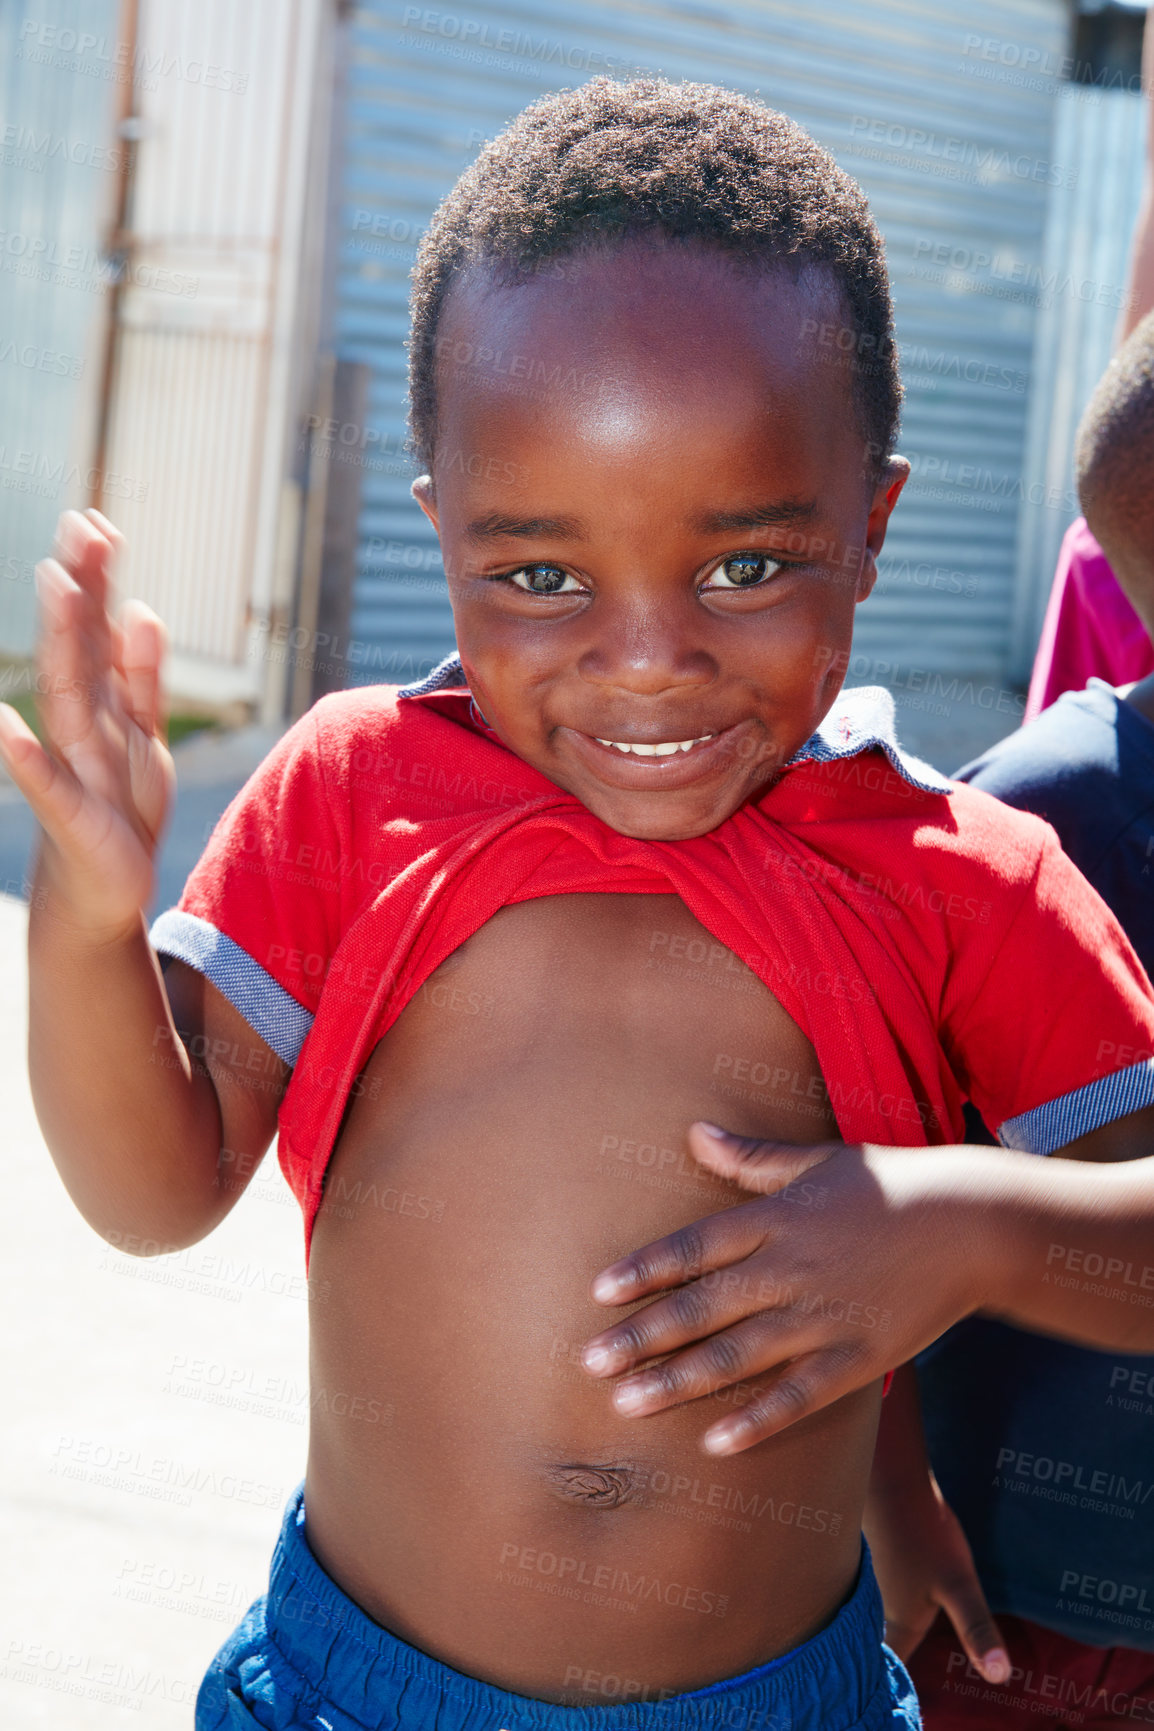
[950,138]
[1086,256]
[57,187]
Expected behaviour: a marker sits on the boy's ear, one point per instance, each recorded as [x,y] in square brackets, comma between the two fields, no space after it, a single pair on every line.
[894,476]
[422,491]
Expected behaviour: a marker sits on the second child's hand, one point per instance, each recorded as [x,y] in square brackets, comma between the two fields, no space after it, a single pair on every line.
[847,1263]
[851,1259]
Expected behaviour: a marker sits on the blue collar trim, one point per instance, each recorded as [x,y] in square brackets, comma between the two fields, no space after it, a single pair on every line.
[860,720]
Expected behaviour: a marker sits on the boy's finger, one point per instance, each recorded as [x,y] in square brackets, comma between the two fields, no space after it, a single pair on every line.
[109,530]
[800,1388]
[965,1605]
[61,694]
[142,654]
[49,788]
[712,1243]
[67,686]
[86,554]
[697,1312]
[906,1638]
[763,1167]
[757,1346]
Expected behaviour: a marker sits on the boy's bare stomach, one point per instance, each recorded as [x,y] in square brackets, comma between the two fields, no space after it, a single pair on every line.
[522,1125]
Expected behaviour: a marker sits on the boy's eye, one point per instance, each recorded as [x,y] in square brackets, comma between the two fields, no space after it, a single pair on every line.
[544,580]
[743,571]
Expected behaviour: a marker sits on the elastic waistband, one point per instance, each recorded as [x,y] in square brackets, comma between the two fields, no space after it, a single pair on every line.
[836,1682]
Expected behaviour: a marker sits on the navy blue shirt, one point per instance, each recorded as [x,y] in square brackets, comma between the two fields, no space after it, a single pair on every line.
[1046,1451]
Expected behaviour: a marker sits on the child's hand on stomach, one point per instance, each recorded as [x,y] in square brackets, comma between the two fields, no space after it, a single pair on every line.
[801,1295]
[854,1258]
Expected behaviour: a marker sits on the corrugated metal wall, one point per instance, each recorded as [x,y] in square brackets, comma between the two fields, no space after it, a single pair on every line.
[196,317]
[950,138]
[1087,241]
[57,184]
[212,360]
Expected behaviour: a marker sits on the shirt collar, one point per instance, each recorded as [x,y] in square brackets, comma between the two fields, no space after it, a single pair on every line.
[860,720]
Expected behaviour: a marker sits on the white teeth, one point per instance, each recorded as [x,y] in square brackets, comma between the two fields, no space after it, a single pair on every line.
[665,748]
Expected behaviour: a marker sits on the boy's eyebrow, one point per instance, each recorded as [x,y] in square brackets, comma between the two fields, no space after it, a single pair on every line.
[557,528]
[781,514]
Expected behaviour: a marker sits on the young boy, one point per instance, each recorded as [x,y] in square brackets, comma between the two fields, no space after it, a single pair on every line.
[1044,1449]
[485,951]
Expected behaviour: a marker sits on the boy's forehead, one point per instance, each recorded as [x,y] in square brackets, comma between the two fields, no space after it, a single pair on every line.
[616,336]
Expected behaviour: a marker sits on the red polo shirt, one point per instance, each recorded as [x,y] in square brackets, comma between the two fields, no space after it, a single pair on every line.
[932,944]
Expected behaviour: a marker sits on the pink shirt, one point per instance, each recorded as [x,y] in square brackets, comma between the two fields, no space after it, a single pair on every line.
[1090,629]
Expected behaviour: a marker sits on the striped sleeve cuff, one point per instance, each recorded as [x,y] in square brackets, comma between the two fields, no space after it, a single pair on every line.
[1050,1126]
[265,1005]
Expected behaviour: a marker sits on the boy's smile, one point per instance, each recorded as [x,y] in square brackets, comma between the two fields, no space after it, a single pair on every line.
[655,522]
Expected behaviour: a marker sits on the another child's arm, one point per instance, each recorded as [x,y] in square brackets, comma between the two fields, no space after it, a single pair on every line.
[153,1145]
[804,1305]
[923,1561]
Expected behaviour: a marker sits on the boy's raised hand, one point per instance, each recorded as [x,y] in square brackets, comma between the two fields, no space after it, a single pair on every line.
[101,785]
[845,1265]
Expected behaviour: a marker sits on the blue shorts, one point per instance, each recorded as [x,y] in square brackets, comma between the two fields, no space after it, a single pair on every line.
[306,1658]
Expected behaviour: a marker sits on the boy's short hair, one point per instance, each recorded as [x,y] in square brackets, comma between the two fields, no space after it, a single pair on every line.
[1114,454]
[683,162]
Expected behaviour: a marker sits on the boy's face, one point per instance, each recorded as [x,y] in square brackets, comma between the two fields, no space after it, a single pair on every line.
[652,511]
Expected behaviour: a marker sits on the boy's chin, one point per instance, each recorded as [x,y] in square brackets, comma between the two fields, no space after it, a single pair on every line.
[665,818]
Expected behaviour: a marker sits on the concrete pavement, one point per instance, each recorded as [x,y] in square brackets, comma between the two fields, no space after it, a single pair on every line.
[155,1409]
[156,1422]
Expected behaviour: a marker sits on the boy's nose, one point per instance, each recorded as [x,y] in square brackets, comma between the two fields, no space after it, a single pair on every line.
[646,651]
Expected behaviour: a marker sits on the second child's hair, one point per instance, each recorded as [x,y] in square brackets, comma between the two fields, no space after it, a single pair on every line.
[1114,456]
[681,162]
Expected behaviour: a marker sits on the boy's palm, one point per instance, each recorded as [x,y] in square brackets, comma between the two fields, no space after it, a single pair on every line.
[101,785]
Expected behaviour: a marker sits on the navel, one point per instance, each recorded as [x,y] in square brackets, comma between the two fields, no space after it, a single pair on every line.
[596,1487]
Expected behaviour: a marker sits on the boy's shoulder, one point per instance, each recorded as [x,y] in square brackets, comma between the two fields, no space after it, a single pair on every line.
[1086,766]
[852,789]
[381,755]
[1086,745]
[365,715]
